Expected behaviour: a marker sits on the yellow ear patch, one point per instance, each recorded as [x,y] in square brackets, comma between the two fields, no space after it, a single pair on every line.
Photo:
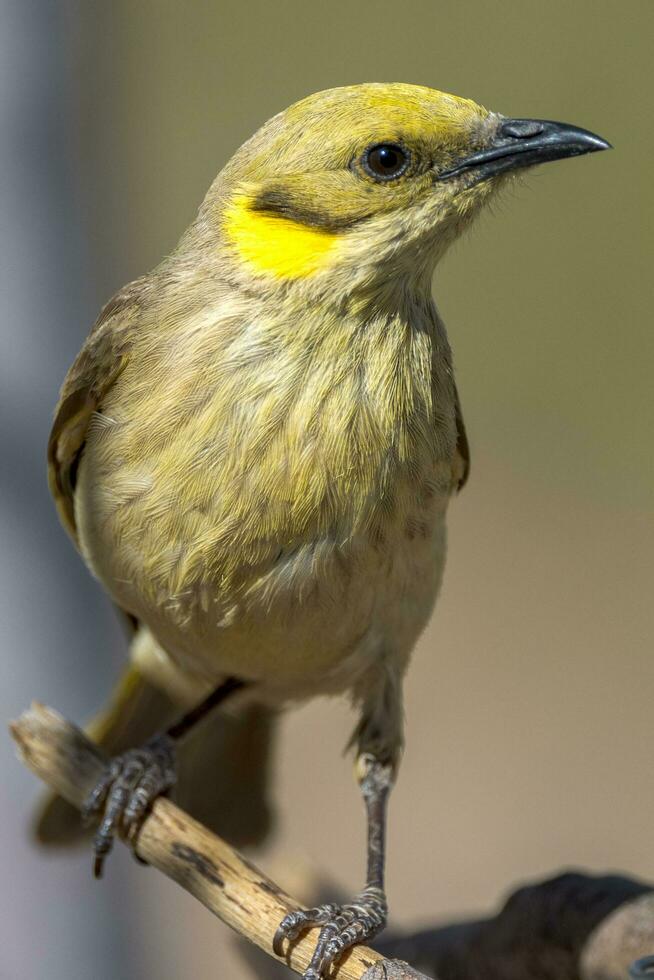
[277,245]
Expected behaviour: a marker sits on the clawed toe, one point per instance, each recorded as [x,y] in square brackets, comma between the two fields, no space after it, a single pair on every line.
[342,926]
[296,922]
[126,791]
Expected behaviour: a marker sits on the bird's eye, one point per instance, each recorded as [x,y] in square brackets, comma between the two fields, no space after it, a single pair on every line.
[386,161]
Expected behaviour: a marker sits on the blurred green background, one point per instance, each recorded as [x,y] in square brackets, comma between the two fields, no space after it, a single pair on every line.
[529,741]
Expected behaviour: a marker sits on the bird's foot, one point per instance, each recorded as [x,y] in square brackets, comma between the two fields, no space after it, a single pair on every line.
[341,926]
[126,791]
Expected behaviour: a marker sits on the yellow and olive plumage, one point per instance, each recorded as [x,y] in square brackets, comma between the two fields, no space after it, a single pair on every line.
[255,449]
[272,425]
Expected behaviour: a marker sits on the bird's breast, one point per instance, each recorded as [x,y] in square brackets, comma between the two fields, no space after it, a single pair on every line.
[265,506]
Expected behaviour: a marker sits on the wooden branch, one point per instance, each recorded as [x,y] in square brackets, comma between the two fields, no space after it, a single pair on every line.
[206,866]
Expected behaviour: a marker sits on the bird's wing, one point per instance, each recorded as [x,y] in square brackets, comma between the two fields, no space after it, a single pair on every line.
[95,369]
[462,463]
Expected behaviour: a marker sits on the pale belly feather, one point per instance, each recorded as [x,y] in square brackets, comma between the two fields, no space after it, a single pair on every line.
[309,621]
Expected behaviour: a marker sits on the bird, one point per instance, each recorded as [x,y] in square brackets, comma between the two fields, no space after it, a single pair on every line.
[254,453]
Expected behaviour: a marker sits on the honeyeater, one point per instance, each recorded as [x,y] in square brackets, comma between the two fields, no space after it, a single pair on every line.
[255,449]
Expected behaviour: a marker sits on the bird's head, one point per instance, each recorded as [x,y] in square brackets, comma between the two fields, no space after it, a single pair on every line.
[370,181]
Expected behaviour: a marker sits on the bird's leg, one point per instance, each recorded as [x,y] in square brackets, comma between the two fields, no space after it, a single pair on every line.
[341,926]
[132,781]
[357,921]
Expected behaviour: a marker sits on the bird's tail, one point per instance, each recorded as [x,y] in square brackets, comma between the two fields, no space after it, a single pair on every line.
[223,763]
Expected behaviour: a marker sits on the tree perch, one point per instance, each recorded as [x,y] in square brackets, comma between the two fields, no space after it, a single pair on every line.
[61,755]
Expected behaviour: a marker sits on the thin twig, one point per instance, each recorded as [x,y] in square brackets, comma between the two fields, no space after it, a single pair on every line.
[170,840]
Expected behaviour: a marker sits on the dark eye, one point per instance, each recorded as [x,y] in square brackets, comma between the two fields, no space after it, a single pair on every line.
[386,161]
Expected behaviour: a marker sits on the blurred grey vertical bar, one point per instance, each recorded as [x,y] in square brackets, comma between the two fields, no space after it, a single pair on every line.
[58,637]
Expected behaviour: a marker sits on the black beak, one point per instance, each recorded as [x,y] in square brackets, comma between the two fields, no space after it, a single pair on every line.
[523,143]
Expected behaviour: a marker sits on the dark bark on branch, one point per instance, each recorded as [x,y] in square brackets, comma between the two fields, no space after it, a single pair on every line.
[572,927]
